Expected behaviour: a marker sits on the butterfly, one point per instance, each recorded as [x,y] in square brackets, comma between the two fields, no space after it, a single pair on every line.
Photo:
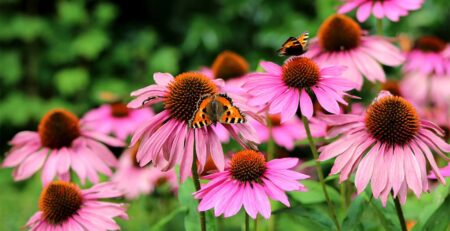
[294,46]
[216,108]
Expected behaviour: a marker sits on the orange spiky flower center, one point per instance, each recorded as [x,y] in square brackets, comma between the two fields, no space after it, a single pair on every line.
[228,65]
[119,110]
[430,44]
[248,166]
[300,72]
[59,201]
[339,32]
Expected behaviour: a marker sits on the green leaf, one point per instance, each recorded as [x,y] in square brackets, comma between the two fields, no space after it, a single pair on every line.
[319,218]
[352,220]
[169,217]
[71,81]
[11,70]
[192,217]
[386,215]
[28,28]
[440,219]
[164,59]
[90,43]
[105,13]
[72,12]
[314,193]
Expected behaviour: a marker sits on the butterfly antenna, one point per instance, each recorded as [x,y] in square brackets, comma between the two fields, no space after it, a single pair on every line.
[150,98]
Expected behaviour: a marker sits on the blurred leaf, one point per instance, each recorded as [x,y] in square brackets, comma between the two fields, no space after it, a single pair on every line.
[105,13]
[110,85]
[386,215]
[15,109]
[72,12]
[90,43]
[440,219]
[160,225]
[164,59]
[313,215]
[192,218]
[314,193]
[27,27]
[352,220]
[326,8]
[70,81]
[11,70]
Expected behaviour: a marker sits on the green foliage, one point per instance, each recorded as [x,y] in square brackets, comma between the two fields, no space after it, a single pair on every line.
[314,193]
[71,81]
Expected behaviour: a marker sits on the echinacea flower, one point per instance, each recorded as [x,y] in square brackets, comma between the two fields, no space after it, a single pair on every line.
[228,66]
[167,138]
[428,88]
[249,181]
[291,86]
[430,55]
[397,143]
[286,134]
[64,206]
[61,143]
[116,119]
[391,9]
[133,180]
[341,41]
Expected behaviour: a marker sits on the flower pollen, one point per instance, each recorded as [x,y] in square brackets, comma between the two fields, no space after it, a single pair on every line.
[392,120]
[185,92]
[248,166]
[58,128]
[59,201]
[339,32]
[229,65]
[300,72]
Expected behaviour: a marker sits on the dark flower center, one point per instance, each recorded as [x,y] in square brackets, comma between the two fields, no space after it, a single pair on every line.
[59,201]
[393,87]
[300,72]
[58,128]
[392,120]
[248,166]
[229,65]
[119,110]
[339,32]
[184,93]
[275,120]
[430,44]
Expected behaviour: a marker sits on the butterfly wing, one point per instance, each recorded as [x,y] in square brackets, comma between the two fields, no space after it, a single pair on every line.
[290,42]
[201,117]
[303,39]
[230,114]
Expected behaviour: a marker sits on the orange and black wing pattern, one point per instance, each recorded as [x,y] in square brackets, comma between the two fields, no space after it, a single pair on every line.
[201,118]
[294,46]
[230,114]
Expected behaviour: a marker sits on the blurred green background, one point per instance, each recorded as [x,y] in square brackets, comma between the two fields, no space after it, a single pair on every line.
[67,53]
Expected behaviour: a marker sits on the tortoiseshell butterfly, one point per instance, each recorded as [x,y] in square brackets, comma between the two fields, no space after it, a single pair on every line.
[216,108]
[294,46]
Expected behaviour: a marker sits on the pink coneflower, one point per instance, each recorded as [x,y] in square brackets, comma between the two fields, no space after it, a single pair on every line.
[63,206]
[249,181]
[167,139]
[285,134]
[397,143]
[116,119]
[230,67]
[134,180]
[430,55]
[445,172]
[340,41]
[288,87]
[61,143]
[391,9]
[428,89]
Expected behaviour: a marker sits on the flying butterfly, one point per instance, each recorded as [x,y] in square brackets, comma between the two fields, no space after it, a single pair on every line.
[216,108]
[294,46]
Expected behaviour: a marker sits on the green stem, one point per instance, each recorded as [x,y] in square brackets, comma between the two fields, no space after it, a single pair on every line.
[398,207]
[312,145]
[255,224]
[220,223]
[247,222]
[379,26]
[196,180]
